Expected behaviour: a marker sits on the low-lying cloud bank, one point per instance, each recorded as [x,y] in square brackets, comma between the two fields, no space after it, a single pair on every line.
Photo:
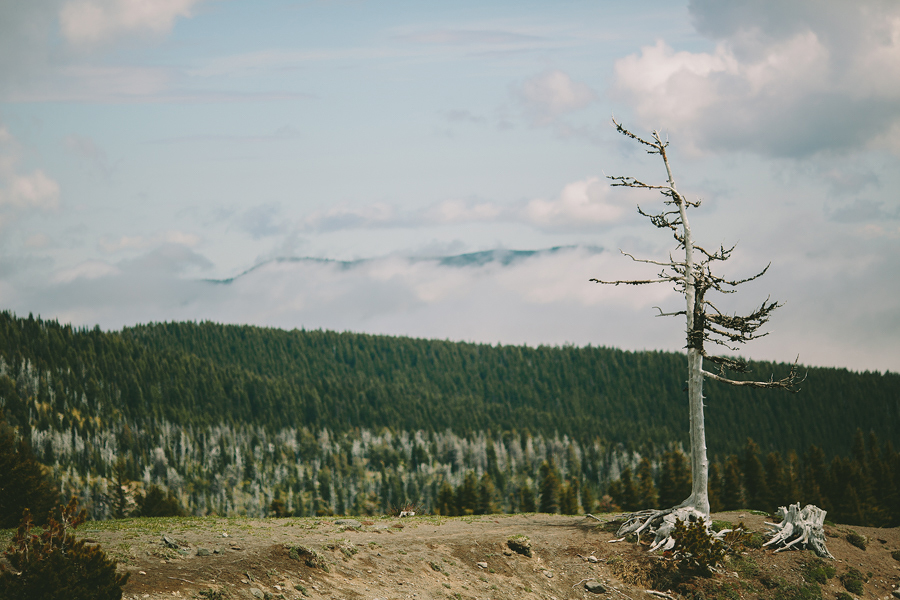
[510,297]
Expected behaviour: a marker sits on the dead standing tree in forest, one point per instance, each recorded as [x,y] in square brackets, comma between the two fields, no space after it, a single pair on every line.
[705,324]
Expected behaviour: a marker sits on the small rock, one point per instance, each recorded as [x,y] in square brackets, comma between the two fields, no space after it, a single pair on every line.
[203,552]
[593,559]
[257,593]
[896,593]
[482,565]
[548,574]
[520,544]
[224,534]
[169,542]
[353,523]
[594,587]
[245,581]
[142,572]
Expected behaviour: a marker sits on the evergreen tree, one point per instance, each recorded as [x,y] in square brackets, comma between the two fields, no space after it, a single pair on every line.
[588,502]
[23,483]
[549,488]
[527,500]
[467,495]
[646,491]
[445,502]
[157,503]
[715,488]
[778,482]
[625,493]
[568,504]
[487,503]
[674,479]
[756,489]
[732,494]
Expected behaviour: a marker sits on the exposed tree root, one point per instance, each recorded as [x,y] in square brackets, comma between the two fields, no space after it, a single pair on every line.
[661,523]
[800,528]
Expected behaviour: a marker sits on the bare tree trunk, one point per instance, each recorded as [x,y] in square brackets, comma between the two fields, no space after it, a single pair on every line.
[699,498]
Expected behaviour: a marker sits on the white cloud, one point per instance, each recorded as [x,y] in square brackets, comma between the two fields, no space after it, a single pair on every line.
[23,191]
[582,204]
[88,22]
[88,270]
[780,81]
[552,94]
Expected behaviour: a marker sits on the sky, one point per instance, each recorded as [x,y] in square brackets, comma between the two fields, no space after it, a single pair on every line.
[439,169]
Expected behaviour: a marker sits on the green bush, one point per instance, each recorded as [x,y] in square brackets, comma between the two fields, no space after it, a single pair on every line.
[696,551]
[853,581]
[54,565]
[857,540]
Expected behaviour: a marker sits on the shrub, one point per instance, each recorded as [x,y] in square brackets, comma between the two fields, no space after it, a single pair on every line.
[895,554]
[857,540]
[54,565]
[853,581]
[156,503]
[309,557]
[696,551]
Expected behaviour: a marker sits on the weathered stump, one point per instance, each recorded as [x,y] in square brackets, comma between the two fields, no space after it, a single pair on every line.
[800,528]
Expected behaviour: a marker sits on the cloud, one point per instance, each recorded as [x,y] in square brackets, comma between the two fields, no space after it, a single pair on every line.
[861,211]
[552,94]
[790,79]
[140,242]
[261,221]
[583,205]
[513,297]
[89,22]
[23,191]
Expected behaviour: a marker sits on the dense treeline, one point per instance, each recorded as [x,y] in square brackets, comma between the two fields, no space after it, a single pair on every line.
[244,420]
[862,489]
[203,374]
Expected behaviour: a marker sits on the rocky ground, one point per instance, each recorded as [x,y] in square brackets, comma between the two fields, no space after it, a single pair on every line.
[425,557]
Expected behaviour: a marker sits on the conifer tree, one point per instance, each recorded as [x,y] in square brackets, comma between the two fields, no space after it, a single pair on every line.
[23,483]
[756,489]
[732,492]
[549,488]
[487,503]
[647,495]
[568,504]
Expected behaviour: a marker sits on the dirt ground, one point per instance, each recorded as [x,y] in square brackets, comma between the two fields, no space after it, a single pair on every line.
[424,557]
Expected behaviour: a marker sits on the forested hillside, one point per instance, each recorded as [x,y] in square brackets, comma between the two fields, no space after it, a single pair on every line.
[231,417]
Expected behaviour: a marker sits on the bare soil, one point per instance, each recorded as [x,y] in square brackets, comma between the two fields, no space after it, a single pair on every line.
[424,557]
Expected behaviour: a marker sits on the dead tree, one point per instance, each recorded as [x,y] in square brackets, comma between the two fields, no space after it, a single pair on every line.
[694,278]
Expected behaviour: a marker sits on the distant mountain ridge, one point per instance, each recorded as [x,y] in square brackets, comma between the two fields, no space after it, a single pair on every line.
[502,256]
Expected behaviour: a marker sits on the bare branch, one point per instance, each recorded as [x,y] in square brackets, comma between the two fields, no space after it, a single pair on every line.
[665,314]
[644,260]
[788,383]
[635,281]
[655,148]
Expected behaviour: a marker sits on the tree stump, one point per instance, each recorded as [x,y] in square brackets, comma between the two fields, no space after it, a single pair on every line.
[801,528]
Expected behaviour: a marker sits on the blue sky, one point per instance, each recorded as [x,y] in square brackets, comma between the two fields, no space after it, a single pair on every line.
[171,159]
